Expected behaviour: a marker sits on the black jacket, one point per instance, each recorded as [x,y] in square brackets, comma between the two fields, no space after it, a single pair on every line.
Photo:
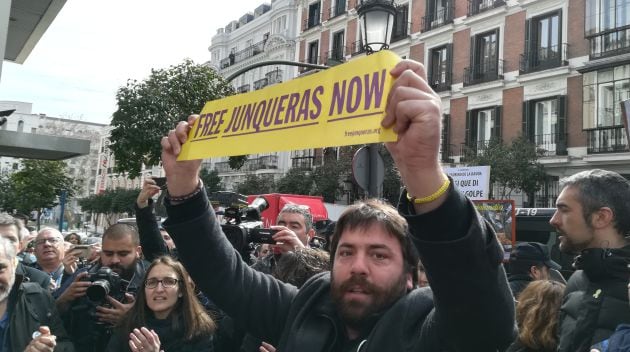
[171,341]
[34,275]
[595,299]
[151,239]
[79,320]
[473,309]
[30,306]
[518,283]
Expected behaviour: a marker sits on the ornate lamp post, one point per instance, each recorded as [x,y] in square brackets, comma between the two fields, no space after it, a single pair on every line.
[376,18]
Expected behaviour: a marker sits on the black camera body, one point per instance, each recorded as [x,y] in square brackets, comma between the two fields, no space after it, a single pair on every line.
[244,227]
[105,282]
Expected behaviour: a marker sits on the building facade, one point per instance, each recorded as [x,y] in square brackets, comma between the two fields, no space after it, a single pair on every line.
[82,169]
[553,71]
[268,33]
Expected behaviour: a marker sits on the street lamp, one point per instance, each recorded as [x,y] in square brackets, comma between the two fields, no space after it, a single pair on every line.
[376,18]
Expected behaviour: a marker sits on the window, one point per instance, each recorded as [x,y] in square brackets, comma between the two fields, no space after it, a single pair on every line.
[603,91]
[338,48]
[482,126]
[543,48]
[440,68]
[445,147]
[484,59]
[314,10]
[313,49]
[478,6]
[20,127]
[439,13]
[606,26]
[400,28]
[339,8]
[544,123]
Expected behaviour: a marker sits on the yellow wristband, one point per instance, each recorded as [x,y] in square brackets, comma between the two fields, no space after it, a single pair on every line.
[432,197]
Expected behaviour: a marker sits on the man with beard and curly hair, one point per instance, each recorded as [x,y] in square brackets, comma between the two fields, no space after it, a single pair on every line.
[593,220]
[369,301]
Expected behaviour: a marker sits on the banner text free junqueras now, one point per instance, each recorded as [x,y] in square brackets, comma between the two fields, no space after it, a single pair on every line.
[343,105]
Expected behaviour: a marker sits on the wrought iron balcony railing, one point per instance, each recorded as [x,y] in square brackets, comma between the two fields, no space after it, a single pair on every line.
[261,83]
[312,21]
[609,44]
[486,71]
[606,140]
[241,55]
[551,144]
[537,59]
[357,47]
[438,18]
[440,81]
[479,6]
[336,56]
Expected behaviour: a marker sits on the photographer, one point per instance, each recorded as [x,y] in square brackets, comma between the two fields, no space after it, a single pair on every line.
[98,297]
[154,240]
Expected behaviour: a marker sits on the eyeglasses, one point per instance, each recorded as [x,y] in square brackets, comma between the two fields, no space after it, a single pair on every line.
[167,282]
[51,240]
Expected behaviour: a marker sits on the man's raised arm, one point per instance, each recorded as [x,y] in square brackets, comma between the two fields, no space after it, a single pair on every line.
[474,306]
[258,301]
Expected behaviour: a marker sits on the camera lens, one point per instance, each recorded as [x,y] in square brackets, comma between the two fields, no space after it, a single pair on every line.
[98,291]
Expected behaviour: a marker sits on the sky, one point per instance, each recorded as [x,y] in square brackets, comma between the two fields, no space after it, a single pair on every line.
[93,47]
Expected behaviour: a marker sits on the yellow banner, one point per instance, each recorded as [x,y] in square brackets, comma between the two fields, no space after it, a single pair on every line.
[343,105]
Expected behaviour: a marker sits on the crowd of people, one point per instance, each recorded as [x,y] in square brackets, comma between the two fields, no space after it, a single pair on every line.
[427,275]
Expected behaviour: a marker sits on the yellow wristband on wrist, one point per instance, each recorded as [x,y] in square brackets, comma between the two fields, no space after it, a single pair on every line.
[432,197]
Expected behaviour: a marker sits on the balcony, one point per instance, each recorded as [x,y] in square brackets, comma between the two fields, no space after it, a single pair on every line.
[400,32]
[336,57]
[261,83]
[478,6]
[437,19]
[242,55]
[606,140]
[469,151]
[440,81]
[260,163]
[312,60]
[357,48]
[302,162]
[551,144]
[610,44]
[487,71]
[538,59]
[337,10]
[243,89]
[274,76]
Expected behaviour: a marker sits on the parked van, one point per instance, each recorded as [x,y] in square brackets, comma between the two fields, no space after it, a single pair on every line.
[532,225]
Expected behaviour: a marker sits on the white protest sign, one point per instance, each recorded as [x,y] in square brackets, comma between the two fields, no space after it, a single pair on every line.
[473,181]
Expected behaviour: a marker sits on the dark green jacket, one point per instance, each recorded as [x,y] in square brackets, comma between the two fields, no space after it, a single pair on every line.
[30,306]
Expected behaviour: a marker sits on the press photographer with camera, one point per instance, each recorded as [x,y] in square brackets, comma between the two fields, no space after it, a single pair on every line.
[100,295]
[368,301]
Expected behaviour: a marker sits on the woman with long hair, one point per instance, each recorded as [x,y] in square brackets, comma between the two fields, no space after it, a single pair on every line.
[167,315]
[537,317]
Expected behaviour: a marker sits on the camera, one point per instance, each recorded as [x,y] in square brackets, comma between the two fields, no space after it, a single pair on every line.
[105,282]
[244,225]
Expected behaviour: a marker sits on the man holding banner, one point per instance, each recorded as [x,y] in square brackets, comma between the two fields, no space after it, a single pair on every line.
[369,301]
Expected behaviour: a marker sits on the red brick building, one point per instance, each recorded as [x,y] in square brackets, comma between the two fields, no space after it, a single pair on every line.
[551,70]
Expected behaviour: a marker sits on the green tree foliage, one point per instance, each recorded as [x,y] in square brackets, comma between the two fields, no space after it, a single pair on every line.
[512,167]
[38,185]
[255,184]
[392,182]
[237,162]
[211,180]
[148,109]
[295,181]
[110,203]
[327,177]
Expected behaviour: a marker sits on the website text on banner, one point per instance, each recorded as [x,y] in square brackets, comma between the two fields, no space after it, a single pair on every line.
[343,105]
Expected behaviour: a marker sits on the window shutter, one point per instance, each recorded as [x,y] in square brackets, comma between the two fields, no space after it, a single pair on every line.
[472,57]
[446,126]
[528,48]
[561,145]
[497,123]
[528,122]
[469,125]
[431,74]
[449,64]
